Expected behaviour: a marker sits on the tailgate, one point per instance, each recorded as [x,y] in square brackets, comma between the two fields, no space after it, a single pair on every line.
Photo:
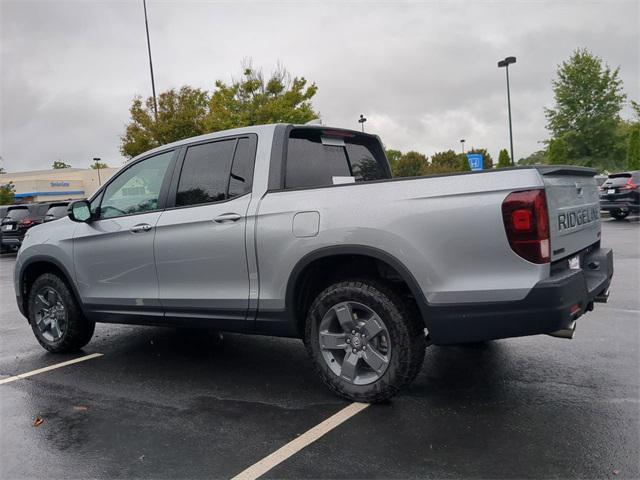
[574,208]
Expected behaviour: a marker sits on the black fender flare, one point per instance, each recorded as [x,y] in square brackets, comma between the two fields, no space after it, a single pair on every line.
[362,250]
[45,259]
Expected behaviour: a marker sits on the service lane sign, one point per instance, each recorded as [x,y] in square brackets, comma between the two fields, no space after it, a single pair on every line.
[475,161]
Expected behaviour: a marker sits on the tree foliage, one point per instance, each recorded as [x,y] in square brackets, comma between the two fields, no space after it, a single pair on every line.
[633,149]
[60,164]
[393,156]
[588,99]
[411,164]
[503,159]
[7,194]
[187,112]
[96,165]
[558,152]
[447,162]
[536,158]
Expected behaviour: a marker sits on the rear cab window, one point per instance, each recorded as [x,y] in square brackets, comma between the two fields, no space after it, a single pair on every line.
[321,157]
[17,213]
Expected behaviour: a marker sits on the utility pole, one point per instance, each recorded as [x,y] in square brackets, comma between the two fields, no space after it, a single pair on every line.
[505,63]
[153,83]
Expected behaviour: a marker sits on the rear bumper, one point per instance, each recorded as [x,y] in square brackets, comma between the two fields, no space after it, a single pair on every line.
[551,305]
[617,205]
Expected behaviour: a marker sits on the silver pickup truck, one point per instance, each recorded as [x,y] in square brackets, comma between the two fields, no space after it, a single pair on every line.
[300,231]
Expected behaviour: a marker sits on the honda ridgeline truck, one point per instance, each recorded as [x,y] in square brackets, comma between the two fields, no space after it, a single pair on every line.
[300,231]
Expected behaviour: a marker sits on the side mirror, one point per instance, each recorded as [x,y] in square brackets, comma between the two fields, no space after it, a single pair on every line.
[79,211]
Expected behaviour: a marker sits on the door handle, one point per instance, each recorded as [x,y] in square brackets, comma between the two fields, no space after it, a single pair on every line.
[141,227]
[227,218]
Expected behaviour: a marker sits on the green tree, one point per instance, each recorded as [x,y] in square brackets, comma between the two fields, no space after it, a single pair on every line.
[7,194]
[447,162]
[487,161]
[536,158]
[588,99]
[181,115]
[411,164]
[633,149]
[189,111]
[60,164]
[97,165]
[393,156]
[254,100]
[503,159]
[558,152]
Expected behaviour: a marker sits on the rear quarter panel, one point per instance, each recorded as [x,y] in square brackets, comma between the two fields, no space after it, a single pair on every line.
[446,230]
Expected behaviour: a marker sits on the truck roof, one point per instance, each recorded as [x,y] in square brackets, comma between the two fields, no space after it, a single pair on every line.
[257,129]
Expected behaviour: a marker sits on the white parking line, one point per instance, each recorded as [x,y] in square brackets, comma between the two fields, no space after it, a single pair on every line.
[50,367]
[294,446]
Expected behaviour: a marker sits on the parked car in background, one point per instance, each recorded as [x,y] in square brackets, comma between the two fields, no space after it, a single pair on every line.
[620,194]
[56,210]
[19,219]
[3,211]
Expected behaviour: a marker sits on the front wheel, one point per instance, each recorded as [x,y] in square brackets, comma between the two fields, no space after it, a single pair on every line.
[365,342]
[55,318]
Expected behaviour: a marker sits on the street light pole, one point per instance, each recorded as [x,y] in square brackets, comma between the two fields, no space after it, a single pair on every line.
[505,63]
[361,121]
[97,160]
[462,143]
[153,83]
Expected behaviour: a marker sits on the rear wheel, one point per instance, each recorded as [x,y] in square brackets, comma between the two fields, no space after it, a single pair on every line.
[365,342]
[55,318]
[619,214]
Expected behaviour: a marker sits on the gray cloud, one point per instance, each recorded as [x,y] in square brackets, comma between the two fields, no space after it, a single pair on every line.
[423,73]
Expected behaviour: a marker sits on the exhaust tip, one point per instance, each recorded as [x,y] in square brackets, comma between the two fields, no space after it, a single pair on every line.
[565,332]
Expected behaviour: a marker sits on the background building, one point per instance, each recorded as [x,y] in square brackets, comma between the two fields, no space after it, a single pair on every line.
[56,184]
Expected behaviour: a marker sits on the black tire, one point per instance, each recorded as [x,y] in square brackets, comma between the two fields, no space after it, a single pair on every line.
[405,330]
[77,331]
[619,214]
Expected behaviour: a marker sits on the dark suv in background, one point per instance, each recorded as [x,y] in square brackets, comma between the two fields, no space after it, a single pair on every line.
[620,194]
[20,218]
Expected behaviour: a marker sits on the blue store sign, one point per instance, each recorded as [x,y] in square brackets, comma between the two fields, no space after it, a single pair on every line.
[475,161]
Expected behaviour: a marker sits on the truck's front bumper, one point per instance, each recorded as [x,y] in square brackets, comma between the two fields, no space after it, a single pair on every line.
[551,305]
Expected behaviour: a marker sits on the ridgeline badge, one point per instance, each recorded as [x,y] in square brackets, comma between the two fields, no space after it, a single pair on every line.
[578,217]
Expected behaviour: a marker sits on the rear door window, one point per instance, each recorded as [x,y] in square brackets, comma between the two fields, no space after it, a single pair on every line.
[315,157]
[205,173]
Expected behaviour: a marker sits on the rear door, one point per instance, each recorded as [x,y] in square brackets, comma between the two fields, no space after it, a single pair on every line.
[574,209]
[200,244]
[113,255]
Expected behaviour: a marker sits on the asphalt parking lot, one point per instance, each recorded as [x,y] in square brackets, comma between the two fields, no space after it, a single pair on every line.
[167,403]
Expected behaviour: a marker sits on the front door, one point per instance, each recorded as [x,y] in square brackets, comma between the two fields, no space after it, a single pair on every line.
[113,254]
[200,247]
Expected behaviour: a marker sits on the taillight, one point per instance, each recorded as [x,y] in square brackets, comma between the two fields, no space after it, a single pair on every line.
[526,221]
[629,185]
[26,222]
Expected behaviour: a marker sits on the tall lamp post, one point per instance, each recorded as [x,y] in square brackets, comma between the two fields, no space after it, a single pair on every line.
[97,160]
[505,63]
[462,140]
[153,83]
[361,121]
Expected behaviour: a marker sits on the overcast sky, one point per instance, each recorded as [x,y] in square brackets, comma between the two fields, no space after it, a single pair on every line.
[423,73]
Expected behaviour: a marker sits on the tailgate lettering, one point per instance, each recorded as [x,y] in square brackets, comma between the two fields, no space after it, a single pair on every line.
[577,217]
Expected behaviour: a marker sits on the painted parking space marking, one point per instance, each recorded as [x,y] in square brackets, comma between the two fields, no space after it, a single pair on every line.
[270,461]
[50,367]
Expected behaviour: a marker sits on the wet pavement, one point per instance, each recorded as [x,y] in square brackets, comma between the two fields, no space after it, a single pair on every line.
[168,403]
